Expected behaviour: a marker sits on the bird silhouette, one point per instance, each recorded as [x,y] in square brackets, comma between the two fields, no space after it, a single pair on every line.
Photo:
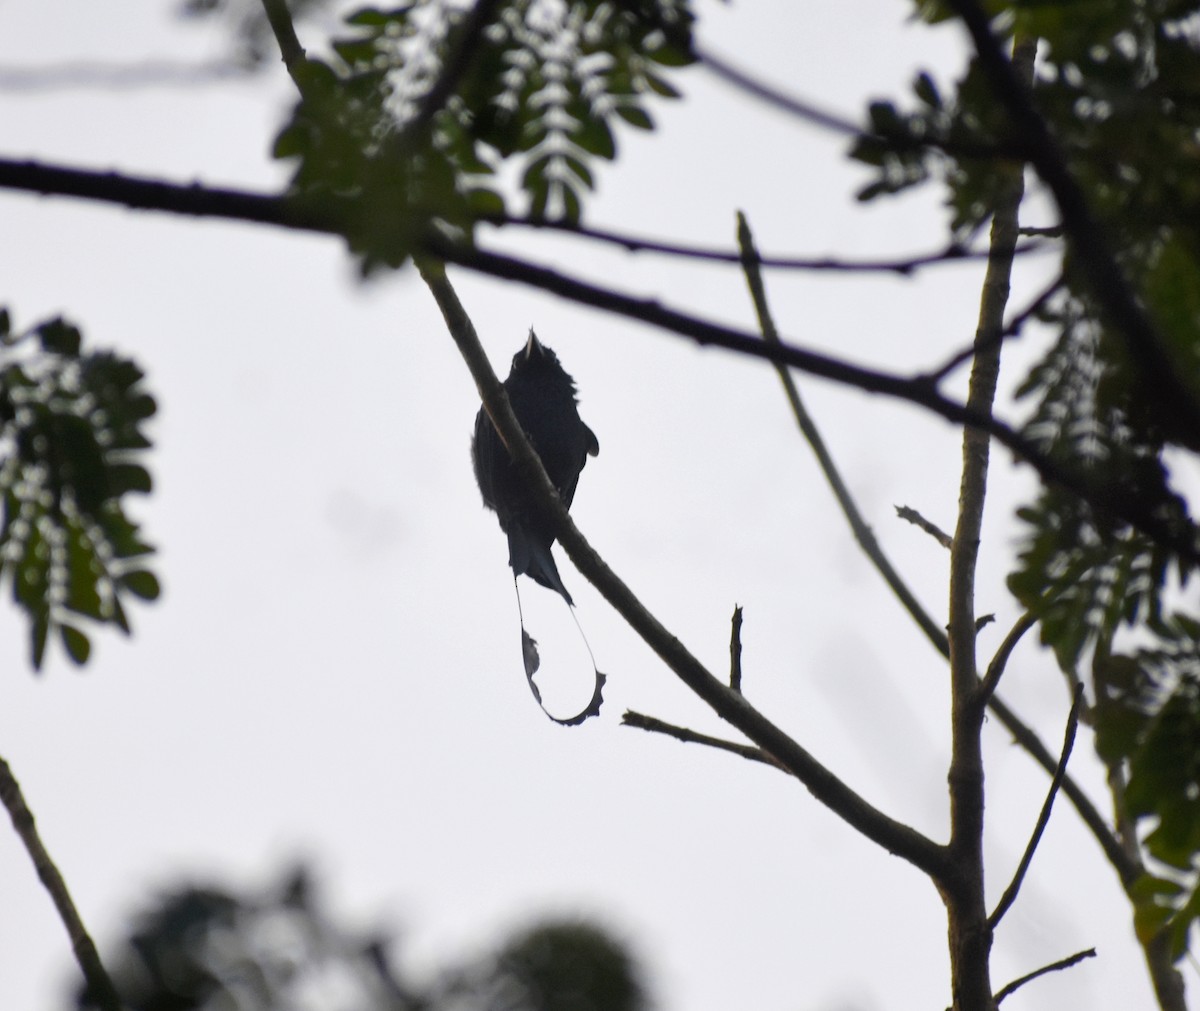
[543,398]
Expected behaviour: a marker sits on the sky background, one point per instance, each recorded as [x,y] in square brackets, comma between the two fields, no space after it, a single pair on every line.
[333,672]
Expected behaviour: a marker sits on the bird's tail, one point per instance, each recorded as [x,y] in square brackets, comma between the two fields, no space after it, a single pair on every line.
[531,556]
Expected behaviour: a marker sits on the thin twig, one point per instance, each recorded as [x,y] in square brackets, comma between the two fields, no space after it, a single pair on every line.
[810,113]
[1014,886]
[954,252]
[1062,963]
[657,726]
[909,514]
[991,679]
[735,651]
[1012,329]
[858,526]
[1127,868]
[99,984]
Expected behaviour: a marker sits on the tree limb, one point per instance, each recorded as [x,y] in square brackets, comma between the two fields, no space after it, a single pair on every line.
[954,252]
[863,534]
[1062,963]
[829,789]
[1010,893]
[653,725]
[99,984]
[299,213]
[970,932]
[987,687]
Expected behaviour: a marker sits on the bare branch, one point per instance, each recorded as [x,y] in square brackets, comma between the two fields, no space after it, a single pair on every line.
[911,515]
[656,726]
[1010,893]
[829,789]
[140,193]
[1109,499]
[1126,866]
[970,938]
[809,113]
[905,266]
[326,217]
[280,20]
[987,686]
[99,985]
[1011,330]
[1063,963]
[863,534]
[735,651]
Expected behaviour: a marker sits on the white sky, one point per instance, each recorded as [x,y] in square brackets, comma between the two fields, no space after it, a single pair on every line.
[334,672]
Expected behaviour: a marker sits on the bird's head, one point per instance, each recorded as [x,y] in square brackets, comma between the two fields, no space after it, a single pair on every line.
[535,356]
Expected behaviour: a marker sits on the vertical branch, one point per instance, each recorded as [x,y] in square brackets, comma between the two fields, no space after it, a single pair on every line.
[970,932]
[99,985]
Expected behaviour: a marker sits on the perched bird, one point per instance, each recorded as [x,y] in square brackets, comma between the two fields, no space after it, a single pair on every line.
[542,395]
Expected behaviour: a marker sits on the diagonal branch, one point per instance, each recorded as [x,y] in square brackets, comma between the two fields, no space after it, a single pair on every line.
[829,789]
[861,530]
[1029,977]
[99,985]
[1014,886]
[987,686]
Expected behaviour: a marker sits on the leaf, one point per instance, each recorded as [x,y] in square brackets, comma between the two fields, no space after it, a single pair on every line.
[77,645]
[141,584]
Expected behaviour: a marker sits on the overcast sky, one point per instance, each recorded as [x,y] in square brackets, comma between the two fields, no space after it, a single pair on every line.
[333,672]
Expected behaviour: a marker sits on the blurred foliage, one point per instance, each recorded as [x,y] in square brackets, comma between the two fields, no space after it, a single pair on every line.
[211,949]
[71,449]
[1116,82]
[540,85]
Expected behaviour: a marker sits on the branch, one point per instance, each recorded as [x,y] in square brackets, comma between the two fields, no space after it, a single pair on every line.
[910,515]
[970,933]
[1011,330]
[809,113]
[954,252]
[735,651]
[1126,866]
[892,835]
[656,726]
[280,20]
[99,985]
[987,686]
[1063,963]
[1010,893]
[1090,245]
[862,532]
[1112,501]
[144,194]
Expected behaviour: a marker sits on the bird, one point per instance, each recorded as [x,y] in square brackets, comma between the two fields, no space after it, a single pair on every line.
[543,397]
